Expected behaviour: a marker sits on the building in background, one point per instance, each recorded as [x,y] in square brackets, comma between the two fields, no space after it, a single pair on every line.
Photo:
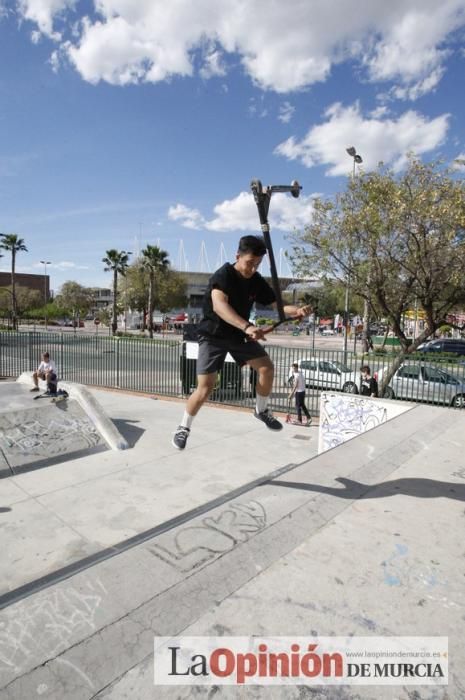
[197,282]
[102,299]
[38,283]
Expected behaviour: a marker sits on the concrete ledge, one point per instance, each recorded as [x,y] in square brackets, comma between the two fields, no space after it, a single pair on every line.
[92,408]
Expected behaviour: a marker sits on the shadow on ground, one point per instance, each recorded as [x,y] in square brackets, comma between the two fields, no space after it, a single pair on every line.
[129,430]
[418,488]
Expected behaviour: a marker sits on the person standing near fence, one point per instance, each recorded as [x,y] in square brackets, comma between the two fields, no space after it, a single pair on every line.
[368,384]
[298,389]
[225,327]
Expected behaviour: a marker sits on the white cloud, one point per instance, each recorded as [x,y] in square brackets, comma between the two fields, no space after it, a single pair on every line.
[212,64]
[422,87]
[67,265]
[411,51]
[55,61]
[387,140]
[234,214]
[381,111]
[43,13]
[257,107]
[240,214]
[189,218]
[286,110]
[63,265]
[281,47]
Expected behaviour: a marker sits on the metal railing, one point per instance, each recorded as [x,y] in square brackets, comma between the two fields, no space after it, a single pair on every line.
[160,366]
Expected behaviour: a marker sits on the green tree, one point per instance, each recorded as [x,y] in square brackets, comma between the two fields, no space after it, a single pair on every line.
[5,301]
[117,262]
[27,300]
[75,299]
[15,245]
[170,291]
[52,311]
[134,289]
[400,240]
[155,261]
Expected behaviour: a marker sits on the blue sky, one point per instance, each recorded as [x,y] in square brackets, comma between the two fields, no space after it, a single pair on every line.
[124,123]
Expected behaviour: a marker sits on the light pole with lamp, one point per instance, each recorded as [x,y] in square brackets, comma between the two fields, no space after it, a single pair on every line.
[128,252]
[357,159]
[45,263]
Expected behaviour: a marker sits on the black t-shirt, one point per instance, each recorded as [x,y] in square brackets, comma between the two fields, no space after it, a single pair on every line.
[369,387]
[241,293]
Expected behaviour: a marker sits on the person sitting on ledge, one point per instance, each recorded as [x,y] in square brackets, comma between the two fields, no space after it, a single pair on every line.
[48,372]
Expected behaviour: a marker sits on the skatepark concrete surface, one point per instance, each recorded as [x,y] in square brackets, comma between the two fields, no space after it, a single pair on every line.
[38,433]
[245,532]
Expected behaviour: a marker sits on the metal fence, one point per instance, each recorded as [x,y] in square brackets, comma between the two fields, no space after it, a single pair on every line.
[163,367]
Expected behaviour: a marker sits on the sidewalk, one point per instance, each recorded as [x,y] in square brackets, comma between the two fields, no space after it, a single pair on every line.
[242,533]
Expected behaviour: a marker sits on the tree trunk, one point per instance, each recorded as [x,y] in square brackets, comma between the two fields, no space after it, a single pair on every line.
[366,327]
[366,319]
[386,333]
[394,366]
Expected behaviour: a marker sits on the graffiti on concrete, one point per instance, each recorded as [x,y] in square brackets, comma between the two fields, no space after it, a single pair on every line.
[49,434]
[45,625]
[53,432]
[194,546]
[343,417]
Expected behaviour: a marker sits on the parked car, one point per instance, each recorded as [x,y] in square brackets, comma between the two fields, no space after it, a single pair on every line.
[421,382]
[377,329]
[450,345]
[327,374]
[328,331]
[74,324]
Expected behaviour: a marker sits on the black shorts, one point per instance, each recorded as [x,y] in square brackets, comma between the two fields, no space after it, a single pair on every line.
[212,352]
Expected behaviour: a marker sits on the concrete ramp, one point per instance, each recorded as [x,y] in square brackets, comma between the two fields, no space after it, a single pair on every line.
[38,433]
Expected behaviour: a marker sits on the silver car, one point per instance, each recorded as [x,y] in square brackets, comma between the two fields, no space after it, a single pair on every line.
[328,374]
[421,382]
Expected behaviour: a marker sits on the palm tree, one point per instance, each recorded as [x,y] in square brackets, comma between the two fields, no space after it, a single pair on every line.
[153,260]
[116,261]
[12,242]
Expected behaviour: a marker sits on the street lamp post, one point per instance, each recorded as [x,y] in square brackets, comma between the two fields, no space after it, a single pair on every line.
[357,159]
[128,252]
[45,263]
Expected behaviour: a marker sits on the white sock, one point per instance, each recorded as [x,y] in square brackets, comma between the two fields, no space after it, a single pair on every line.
[187,420]
[262,403]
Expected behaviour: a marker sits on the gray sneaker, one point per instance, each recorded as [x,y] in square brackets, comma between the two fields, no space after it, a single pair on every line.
[268,418]
[34,388]
[180,437]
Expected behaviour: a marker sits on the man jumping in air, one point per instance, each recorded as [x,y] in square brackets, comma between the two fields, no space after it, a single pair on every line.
[225,327]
